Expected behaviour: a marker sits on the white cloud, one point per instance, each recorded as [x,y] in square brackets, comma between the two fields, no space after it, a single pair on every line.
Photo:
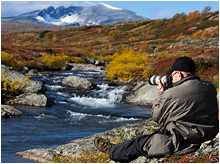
[156,13]
[165,14]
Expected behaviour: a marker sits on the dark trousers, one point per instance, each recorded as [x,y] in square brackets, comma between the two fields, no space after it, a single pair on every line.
[129,150]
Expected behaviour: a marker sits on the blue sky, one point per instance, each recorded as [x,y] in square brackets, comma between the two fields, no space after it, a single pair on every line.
[149,9]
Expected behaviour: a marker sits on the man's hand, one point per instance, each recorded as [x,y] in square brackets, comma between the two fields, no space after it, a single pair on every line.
[160,87]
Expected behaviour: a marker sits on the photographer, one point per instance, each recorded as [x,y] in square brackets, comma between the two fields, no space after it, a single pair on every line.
[187,113]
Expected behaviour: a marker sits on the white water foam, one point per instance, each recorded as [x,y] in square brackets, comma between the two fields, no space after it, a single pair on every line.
[57,77]
[103,86]
[43,116]
[112,93]
[56,81]
[116,94]
[93,102]
[62,102]
[59,94]
[108,96]
[83,115]
[95,72]
[120,119]
[108,118]
[67,73]
[53,87]
[59,97]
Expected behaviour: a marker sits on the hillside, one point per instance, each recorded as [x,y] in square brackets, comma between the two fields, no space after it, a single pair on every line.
[15,26]
[195,35]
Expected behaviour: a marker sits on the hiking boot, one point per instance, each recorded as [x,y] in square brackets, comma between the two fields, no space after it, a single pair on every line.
[104,145]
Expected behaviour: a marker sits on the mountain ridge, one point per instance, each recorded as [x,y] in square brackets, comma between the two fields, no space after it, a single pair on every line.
[99,14]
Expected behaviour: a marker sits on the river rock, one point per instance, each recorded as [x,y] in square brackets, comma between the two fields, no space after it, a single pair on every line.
[78,82]
[24,70]
[67,67]
[35,72]
[8,111]
[34,87]
[82,67]
[96,62]
[33,99]
[85,67]
[142,94]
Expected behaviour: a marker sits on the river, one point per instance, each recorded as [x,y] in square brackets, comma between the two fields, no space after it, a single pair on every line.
[74,114]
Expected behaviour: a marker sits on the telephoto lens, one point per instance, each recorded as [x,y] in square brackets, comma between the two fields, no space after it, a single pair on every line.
[154,80]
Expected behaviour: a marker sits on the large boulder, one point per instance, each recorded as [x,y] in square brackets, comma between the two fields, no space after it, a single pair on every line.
[82,67]
[33,87]
[142,94]
[33,99]
[8,111]
[78,82]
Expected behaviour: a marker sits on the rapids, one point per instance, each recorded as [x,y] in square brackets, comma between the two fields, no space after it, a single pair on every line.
[75,114]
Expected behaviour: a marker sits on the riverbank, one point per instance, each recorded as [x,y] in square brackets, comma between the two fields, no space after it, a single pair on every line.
[116,135]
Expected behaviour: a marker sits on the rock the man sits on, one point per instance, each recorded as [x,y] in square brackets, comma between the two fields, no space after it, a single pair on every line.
[187,113]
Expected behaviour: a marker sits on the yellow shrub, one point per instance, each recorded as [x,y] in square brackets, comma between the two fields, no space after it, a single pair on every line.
[127,66]
[100,31]
[55,38]
[54,61]
[131,39]
[192,16]
[77,60]
[197,35]
[113,35]
[50,35]
[109,58]
[8,60]
[11,88]
[88,49]
[106,58]
[147,71]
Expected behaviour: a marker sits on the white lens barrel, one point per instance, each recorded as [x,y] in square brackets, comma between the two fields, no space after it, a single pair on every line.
[154,80]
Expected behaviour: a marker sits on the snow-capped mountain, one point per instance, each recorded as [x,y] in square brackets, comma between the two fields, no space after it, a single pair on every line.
[100,14]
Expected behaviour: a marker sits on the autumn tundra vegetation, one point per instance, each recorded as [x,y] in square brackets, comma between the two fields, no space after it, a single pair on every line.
[134,49]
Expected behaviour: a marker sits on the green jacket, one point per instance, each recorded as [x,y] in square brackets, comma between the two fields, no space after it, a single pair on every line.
[189,111]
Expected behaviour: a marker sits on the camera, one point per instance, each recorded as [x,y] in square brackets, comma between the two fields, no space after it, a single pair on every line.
[154,80]
[165,80]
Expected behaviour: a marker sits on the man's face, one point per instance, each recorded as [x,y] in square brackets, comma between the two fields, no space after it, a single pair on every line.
[177,76]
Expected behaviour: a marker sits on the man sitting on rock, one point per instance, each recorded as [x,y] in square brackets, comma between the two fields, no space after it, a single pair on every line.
[187,113]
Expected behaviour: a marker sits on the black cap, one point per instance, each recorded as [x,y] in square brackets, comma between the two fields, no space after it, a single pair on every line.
[185,64]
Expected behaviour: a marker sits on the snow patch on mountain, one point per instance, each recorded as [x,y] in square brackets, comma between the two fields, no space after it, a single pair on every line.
[65,20]
[111,7]
[49,20]
[70,18]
